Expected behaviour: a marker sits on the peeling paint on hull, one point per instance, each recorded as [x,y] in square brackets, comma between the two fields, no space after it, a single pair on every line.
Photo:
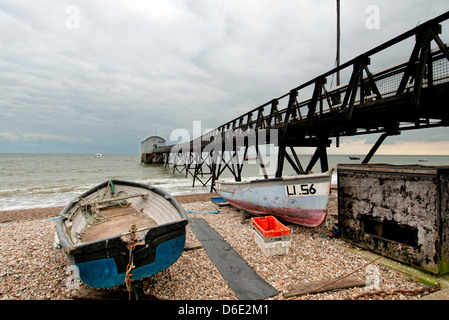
[306,217]
[298,199]
[104,273]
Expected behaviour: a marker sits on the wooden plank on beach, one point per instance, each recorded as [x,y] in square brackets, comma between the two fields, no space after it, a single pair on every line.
[323,286]
[242,279]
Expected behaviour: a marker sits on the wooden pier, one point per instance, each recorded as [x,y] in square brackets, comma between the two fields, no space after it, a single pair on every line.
[413,94]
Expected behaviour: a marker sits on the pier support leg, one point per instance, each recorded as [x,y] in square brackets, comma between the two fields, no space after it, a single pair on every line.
[377,145]
[320,154]
[280,163]
[261,163]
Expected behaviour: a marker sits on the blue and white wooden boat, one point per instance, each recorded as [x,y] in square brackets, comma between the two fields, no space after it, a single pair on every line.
[94,232]
[300,199]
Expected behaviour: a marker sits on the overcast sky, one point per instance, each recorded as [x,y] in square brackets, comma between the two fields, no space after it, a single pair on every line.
[101,76]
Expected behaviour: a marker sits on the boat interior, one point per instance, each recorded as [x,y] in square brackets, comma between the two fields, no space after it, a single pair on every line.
[118,220]
[104,214]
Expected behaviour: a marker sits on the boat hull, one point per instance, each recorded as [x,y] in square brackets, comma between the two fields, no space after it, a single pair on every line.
[102,263]
[300,199]
[109,272]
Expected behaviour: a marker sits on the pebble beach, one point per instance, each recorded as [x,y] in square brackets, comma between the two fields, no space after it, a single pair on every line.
[32,269]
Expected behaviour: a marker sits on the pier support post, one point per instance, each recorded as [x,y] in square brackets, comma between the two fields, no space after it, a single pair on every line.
[280,162]
[377,145]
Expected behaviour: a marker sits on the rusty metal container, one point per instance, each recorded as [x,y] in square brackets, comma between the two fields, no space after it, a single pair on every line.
[381,206]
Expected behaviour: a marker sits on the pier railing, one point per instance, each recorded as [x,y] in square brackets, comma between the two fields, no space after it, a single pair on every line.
[412,94]
[425,68]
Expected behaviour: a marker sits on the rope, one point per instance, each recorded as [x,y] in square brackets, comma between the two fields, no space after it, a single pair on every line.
[122,203]
[129,268]
[107,188]
[92,217]
[128,278]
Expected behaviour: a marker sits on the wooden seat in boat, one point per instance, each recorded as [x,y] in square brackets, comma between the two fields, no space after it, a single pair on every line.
[119,220]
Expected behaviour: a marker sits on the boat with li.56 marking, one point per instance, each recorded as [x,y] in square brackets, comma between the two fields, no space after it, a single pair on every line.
[300,199]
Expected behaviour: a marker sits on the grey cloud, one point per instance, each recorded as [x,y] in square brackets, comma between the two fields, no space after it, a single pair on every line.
[133,66]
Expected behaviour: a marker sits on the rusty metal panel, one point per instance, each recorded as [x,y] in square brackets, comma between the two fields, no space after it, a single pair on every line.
[381,206]
[444,228]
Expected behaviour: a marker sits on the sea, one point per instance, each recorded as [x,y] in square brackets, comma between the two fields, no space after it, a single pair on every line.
[48,180]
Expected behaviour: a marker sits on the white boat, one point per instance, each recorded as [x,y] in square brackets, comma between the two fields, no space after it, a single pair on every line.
[300,199]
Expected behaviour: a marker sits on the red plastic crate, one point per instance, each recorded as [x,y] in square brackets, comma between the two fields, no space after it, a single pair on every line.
[270,227]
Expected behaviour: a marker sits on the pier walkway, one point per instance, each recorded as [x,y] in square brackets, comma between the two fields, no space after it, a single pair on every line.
[410,95]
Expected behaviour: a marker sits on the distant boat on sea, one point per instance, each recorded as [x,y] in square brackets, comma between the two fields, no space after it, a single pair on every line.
[98,155]
[354,157]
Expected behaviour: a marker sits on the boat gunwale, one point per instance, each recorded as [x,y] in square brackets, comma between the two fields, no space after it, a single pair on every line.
[287,178]
[67,245]
[119,235]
